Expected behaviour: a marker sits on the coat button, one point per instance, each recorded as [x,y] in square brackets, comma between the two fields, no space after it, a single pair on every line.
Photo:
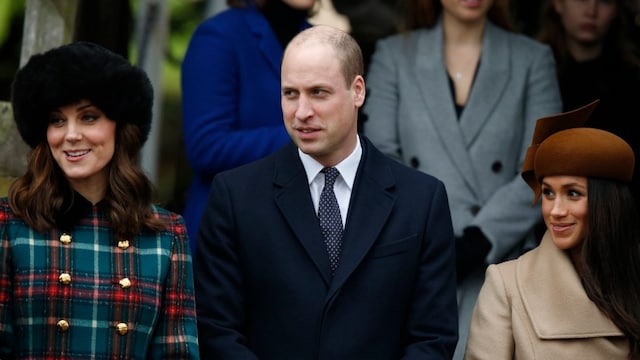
[414,162]
[65,239]
[475,209]
[496,167]
[122,328]
[64,279]
[125,283]
[123,244]
[63,325]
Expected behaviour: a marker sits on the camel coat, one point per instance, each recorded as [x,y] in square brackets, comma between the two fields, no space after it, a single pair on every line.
[535,307]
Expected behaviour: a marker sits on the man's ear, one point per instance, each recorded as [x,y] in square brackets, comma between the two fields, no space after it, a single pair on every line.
[359,90]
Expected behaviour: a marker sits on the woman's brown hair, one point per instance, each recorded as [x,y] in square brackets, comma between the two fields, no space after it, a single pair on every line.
[38,196]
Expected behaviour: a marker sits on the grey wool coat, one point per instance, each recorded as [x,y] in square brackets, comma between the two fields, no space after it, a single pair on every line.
[411,117]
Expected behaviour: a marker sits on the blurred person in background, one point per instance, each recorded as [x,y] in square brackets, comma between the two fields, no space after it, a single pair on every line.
[597,59]
[457,97]
[231,111]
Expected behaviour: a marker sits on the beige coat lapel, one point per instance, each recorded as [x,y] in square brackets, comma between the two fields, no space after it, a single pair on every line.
[554,298]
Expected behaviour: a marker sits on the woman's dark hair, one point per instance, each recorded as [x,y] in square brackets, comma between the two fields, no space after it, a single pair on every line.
[616,42]
[611,255]
[425,13]
[38,196]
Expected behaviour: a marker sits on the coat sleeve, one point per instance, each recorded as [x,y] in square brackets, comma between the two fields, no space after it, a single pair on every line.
[507,216]
[491,334]
[381,106]
[6,290]
[219,285]
[176,335]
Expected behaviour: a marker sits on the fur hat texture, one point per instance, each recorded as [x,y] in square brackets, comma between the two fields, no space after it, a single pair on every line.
[561,147]
[74,72]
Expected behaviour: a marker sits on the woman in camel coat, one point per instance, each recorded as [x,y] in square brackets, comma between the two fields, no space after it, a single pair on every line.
[576,295]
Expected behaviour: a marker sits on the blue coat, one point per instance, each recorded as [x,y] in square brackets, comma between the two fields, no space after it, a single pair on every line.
[263,281]
[231,111]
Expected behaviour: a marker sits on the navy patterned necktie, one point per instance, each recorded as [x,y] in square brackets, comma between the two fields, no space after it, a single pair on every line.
[330,219]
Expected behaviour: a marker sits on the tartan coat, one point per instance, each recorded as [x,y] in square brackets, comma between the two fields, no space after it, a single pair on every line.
[84,294]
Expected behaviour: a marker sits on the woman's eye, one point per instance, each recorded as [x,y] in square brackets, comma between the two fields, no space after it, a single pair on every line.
[574,193]
[55,120]
[90,117]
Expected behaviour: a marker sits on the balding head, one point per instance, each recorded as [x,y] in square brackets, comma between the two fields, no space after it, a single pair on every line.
[322,90]
[346,48]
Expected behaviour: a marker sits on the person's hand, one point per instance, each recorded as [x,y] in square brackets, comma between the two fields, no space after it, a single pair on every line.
[471,249]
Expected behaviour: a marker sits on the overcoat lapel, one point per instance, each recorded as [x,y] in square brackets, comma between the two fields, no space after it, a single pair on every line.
[293,198]
[436,95]
[490,82]
[268,43]
[370,206]
[554,298]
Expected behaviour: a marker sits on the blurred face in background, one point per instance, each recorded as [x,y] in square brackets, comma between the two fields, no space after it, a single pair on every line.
[586,22]
[300,4]
[466,10]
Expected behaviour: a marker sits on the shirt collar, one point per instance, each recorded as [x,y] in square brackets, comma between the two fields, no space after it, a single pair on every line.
[347,167]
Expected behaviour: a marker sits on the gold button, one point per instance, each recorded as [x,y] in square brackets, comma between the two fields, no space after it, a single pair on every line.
[122,328]
[63,325]
[123,244]
[65,238]
[65,279]
[125,283]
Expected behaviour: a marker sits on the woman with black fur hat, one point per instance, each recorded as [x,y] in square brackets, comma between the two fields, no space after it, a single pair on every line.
[575,296]
[90,267]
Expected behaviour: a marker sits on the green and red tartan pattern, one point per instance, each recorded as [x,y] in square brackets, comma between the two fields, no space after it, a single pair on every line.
[158,308]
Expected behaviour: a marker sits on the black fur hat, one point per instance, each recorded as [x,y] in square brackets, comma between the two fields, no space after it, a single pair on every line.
[74,72]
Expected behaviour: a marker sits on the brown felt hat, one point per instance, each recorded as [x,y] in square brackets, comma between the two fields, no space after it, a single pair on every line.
[561,146]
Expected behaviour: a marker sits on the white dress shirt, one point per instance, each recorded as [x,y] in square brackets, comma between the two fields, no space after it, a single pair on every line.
[344,183]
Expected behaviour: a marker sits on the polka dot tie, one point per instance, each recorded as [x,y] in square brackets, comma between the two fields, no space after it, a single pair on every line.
[330,219]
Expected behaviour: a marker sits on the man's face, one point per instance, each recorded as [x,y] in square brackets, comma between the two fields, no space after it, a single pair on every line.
[320,109]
